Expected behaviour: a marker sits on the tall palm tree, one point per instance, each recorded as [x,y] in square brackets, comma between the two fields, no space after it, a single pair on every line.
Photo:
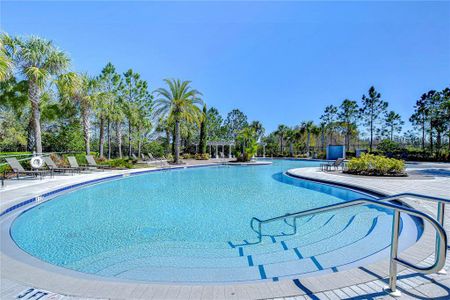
[37,60]
[82,91]
[307,127]
[281,133]
[179,102]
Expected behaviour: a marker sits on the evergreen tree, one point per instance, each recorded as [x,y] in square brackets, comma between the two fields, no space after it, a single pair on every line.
[372,110]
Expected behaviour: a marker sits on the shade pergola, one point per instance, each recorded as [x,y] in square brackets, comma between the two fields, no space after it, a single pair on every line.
[217,144]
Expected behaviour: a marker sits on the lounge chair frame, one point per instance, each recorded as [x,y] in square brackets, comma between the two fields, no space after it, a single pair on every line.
[18,169]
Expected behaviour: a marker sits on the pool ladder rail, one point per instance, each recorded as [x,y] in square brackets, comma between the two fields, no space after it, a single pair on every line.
[438,224]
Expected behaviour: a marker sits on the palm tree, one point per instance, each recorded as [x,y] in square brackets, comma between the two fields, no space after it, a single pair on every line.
[179,102]
[281,133]
[307,127]
[37,60]
[6,64]
[82,91]
[259,129]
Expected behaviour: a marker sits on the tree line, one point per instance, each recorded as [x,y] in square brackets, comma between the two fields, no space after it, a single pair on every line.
[367,123]
[45,106]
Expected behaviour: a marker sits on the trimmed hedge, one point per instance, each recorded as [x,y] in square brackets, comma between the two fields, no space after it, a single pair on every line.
[373,165]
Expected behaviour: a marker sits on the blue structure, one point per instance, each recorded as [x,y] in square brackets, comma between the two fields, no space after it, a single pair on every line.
[358,152]
[335,151]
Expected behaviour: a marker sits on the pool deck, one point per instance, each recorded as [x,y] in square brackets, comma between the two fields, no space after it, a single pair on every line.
[17,277]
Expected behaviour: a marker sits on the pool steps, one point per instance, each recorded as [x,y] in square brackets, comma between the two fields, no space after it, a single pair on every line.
[288,256]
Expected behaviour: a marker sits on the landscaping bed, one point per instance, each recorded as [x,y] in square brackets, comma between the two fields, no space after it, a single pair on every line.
[374,165]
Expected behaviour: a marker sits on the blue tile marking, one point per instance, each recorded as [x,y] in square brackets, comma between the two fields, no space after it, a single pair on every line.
[328,220]
[9,209]
[250,261]
[262,272]
[275,279]
[273,239]
[349,222]
[299,255]
[231,244]
[241,251]
[374,223]
[305,289]
[283,244]
[318,265]
[334,269]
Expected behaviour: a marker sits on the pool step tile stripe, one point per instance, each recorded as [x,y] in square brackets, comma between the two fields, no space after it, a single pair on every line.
[297,252]
[318,265]
[250,261]
[262,272]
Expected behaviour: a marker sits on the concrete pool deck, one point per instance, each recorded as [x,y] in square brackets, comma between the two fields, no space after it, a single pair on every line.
[18,277]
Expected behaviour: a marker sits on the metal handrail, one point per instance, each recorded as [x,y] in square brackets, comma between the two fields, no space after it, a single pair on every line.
[439,216]
[441,236]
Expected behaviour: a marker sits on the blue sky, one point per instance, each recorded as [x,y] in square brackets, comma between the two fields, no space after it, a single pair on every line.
[279,62]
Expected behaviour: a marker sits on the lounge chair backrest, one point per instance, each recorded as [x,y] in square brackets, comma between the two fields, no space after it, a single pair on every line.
[143,156]
[73,162]
[134,156]
[49,162]
[338,162]
[15,164]
[90,159]
[150,155]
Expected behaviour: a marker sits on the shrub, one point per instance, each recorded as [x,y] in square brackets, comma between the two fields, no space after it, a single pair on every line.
[372,165]
[169,157]
[155,148]
[187,156]
[202,156]
[322,155]
[118,163]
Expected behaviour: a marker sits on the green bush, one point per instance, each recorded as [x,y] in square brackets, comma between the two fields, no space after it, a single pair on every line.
[118,163]
[155,148]
[204,156]
[169,157]
[373,165]
[187,156]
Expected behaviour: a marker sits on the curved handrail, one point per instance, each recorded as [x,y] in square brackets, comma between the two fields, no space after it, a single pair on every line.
[441,235]
[387,198]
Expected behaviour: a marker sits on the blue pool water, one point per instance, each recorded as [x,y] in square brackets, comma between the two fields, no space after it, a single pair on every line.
[192,225]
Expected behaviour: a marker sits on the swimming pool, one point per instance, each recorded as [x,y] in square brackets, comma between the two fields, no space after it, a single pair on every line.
[192,226]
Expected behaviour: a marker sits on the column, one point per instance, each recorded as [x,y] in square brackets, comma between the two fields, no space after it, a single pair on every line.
[229,152]
[217,147]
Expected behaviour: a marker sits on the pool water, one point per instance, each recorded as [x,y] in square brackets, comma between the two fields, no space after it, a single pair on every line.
[193,225]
